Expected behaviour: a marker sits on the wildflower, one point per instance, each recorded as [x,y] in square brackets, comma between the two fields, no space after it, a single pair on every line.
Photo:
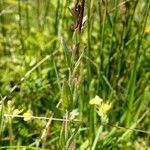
[27,115]
[17,111]
[10,104]
[102,108]
[147,29]
[102,112]
[96,101]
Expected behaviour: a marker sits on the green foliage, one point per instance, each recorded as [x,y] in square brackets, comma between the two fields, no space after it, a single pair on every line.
[49,70]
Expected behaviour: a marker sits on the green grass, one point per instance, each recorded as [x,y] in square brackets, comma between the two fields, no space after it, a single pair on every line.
[48,70]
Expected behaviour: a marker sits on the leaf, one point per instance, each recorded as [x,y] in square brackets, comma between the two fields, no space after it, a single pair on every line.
[66,96]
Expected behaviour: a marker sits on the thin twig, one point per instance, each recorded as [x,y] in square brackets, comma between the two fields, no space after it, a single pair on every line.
[45,131]
[34,117]
[68,120]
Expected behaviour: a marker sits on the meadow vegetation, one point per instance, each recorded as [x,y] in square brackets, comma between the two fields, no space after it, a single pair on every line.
[71,82]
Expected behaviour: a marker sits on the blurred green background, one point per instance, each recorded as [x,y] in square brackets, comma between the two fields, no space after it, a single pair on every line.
[49,63]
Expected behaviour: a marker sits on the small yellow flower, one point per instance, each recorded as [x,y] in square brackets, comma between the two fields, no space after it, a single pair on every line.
[102,108]
[17,111]
[96,101]
[147,29]
[27,115]
[10,103]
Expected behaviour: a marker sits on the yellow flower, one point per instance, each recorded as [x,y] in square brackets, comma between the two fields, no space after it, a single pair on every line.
[102,108]
[27,115]
[96,101]
[147,29]
[17,111]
